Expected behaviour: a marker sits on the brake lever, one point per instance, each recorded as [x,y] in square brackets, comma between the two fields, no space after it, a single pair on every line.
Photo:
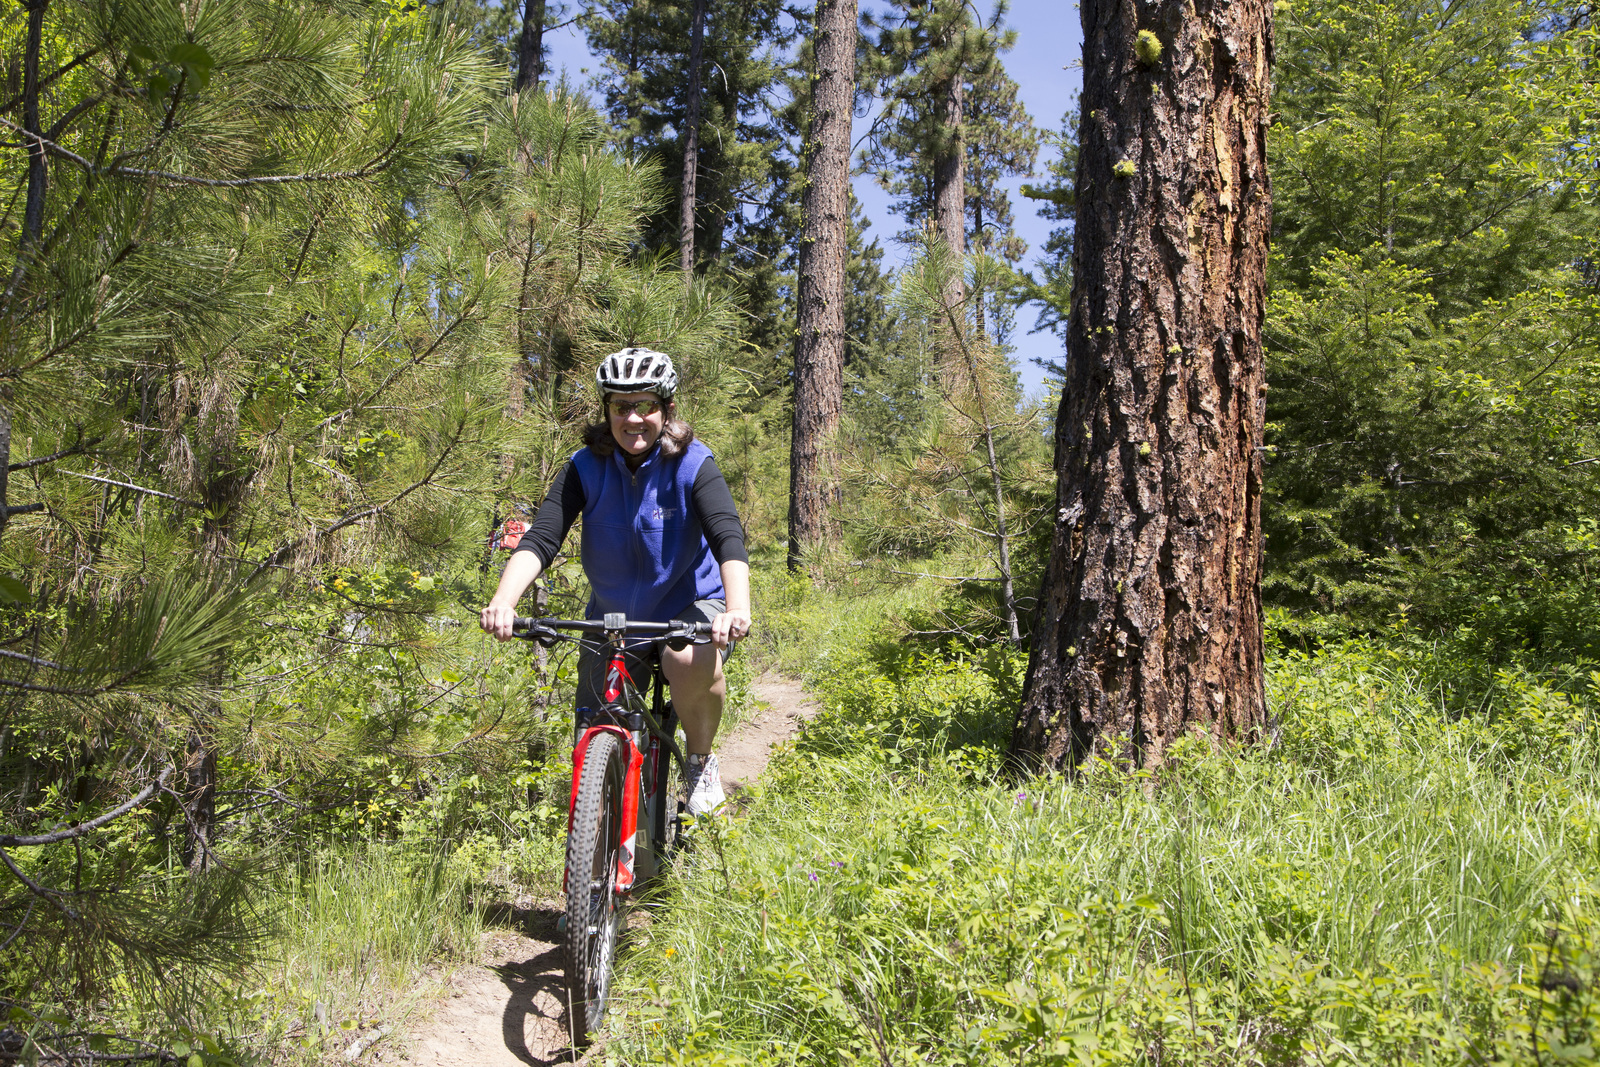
[545,635]
[681,640]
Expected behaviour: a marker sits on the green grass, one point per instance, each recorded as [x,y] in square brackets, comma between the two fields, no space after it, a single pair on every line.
[358,931]
[1405,877]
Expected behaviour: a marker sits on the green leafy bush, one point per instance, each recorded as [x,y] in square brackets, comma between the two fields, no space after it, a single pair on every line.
[909,703]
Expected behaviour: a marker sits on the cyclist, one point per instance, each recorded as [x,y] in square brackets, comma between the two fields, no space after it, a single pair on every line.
[661,540]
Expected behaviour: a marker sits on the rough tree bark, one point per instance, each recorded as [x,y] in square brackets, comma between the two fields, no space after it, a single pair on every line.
[824,252]
[691,143]
[32,224]
[38,175]
[950,175]
[530,45]
[1150,614]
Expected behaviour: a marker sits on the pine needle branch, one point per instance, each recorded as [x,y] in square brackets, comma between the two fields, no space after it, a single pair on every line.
[283,552]
[416,360]
[80,447]
[33,661]
[54,896]
[76,61]
[33,840]
[137,489]
[376,165]
[16,931]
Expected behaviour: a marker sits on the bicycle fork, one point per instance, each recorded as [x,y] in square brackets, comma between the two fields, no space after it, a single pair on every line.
[630,798]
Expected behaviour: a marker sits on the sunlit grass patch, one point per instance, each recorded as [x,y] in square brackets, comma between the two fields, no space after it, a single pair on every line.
[1400,879]
[358,927]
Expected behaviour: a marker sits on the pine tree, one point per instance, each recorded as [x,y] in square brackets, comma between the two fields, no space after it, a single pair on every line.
[944,162]
[530,46]
[980,406]
[179,398]
[820,346]
[1149,612]
[645,93]
[1430,335]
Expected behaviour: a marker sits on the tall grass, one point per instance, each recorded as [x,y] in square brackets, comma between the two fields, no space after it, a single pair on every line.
[373,916]
[1402,878]
[354,936]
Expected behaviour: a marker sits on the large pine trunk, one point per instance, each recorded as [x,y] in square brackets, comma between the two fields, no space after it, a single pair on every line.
[1150,613]
[824,251]
[950,177]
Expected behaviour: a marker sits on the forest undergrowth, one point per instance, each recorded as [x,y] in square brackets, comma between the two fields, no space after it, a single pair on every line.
[350,913]
[1405,875]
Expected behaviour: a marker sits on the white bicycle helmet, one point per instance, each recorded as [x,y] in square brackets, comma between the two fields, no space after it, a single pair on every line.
[637,370]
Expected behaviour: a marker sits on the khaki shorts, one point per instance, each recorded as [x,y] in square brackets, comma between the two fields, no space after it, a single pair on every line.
[593,660]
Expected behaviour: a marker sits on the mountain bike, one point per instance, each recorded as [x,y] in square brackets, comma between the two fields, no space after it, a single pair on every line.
[623,820]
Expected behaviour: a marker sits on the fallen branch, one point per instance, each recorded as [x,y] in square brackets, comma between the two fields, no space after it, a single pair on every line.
[366,1041]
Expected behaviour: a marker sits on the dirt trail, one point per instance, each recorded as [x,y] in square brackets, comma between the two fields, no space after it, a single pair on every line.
[509,1009]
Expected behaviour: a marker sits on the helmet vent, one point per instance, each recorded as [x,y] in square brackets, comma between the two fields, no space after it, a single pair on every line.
[637,369]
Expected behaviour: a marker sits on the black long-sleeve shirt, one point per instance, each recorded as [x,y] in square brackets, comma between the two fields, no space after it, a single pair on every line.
[713,505]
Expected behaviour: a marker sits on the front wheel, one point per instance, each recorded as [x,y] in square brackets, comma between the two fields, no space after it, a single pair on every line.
[594,912]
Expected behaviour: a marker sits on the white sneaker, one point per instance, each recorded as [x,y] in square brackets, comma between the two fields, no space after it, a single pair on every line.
[705,784]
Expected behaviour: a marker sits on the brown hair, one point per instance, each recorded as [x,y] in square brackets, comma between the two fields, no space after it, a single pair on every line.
[675,435]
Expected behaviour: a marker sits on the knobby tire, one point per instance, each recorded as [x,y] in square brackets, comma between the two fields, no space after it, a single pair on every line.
[594,911]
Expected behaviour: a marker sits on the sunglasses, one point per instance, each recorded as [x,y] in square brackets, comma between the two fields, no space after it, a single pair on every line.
[621,409]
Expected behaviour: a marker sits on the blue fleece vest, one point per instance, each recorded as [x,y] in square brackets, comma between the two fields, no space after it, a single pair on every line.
[642,545]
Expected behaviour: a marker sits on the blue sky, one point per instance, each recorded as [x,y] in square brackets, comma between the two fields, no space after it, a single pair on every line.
[1044,65]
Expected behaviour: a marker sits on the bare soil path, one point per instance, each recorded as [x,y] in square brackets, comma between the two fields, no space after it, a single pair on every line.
[509,1009]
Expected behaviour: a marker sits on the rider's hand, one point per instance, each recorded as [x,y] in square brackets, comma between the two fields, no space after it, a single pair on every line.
[729,626]
[496,619]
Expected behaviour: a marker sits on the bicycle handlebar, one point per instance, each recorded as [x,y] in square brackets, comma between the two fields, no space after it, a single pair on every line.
[694,632]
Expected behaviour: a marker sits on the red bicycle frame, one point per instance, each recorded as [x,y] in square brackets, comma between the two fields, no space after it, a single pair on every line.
[617,677]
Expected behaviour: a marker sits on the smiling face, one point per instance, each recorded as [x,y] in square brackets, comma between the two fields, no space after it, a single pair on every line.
[635,433]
